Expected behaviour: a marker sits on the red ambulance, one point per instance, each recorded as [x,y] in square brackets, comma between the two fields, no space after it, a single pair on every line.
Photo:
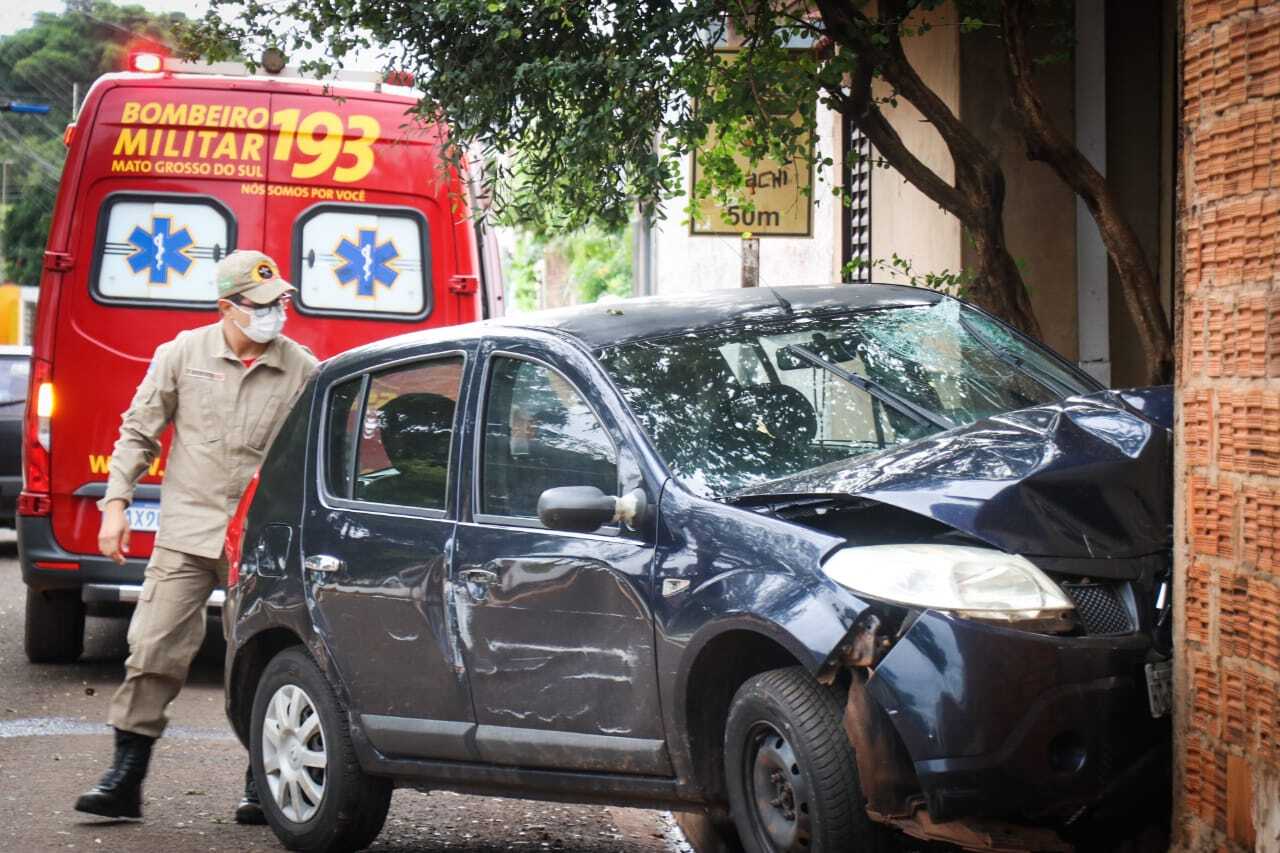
[166,172]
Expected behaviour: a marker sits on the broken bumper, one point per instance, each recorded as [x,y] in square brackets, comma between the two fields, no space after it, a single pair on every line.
[1005,723]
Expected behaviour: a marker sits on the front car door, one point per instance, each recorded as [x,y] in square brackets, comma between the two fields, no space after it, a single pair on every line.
[556,627]
[376,552]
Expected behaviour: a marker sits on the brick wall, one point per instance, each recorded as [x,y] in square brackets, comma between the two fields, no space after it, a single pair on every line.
[1228,556]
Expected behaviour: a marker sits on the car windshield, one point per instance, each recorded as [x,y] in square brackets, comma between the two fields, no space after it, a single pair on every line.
[13,379]
[735,406]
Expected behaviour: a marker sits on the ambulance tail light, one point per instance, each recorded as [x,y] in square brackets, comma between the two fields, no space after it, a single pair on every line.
[234,542]
[37,437]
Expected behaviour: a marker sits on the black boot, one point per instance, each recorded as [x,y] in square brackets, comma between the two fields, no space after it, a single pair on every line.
[250,808]
[119,793]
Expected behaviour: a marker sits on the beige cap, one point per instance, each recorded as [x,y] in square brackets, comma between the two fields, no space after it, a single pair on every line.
[252,275]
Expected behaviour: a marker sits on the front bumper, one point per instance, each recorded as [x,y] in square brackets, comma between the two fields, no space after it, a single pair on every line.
[99,579]
[1005,723]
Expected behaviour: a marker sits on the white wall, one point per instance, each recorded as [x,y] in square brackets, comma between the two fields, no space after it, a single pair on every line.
[903,220]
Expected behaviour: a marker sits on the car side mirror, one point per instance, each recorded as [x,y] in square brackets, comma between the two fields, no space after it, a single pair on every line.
[585,509]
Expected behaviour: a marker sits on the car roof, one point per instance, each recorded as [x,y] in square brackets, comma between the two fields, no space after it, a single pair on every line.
[605,323]
[602,324]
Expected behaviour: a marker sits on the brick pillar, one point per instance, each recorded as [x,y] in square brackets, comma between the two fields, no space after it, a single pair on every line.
[1227,556]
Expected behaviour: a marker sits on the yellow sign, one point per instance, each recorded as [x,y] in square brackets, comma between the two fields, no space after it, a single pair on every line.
[776,201]
[10,314]
[229,141]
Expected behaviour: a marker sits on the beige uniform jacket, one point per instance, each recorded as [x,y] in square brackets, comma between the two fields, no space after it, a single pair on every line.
[224,418]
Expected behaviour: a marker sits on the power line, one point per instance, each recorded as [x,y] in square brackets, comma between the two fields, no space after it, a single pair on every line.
[49,167]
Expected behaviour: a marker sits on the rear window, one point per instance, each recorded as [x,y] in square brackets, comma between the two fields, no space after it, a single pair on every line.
[14,371]
[160,249]
[406,435]
[389,435]
[363,261]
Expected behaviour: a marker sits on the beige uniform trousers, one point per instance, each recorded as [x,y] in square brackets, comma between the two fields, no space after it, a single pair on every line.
[166,632]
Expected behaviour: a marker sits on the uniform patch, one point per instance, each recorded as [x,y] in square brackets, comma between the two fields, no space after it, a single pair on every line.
[210,375]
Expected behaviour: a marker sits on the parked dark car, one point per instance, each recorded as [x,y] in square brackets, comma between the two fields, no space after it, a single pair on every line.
[828,560]
[15,367]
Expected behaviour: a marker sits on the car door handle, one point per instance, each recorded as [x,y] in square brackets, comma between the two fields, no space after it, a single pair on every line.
[323,563]
[483,577]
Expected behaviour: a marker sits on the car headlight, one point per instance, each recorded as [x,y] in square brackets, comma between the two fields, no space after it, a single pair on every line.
[978,583]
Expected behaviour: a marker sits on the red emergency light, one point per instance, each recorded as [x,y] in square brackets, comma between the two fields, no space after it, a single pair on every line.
[146,61]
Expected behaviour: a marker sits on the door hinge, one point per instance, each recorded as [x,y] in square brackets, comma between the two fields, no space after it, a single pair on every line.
[57,261]
[463,284]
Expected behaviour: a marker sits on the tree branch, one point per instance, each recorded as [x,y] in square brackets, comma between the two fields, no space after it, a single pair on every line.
[859,105]
[979,181]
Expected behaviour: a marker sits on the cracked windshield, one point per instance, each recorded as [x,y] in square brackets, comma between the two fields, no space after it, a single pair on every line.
[762,400]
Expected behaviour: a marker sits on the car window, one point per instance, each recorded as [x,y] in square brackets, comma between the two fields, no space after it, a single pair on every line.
[539,433]
[369,261]
[402,455]
[14,371]
[161,249]
[340,437]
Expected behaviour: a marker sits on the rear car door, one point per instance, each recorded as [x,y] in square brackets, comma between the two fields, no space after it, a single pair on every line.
[376,551]
[556,627]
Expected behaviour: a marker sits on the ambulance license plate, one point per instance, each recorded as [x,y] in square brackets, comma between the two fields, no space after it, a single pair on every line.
[1160,687]
[144,516]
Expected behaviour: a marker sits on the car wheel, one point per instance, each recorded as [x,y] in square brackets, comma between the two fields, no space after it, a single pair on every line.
[793,784]
[314,794]
[55,626]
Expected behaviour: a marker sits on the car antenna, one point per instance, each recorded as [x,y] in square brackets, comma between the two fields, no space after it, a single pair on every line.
[786,306]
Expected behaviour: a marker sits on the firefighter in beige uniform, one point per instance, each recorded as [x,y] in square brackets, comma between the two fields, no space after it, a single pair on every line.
[226,389]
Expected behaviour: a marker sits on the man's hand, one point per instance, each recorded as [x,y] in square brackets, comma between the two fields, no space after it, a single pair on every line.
[113,535]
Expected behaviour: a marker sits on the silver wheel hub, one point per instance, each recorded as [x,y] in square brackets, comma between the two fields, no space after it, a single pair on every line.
[294,753]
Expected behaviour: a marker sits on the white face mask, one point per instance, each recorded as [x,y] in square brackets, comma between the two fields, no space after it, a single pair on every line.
[264,323]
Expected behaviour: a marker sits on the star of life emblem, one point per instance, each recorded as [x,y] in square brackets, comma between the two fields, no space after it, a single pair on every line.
[161,251]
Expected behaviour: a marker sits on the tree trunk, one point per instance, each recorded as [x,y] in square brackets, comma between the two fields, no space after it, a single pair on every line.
[1006,294]
[1047,144]
[977,197]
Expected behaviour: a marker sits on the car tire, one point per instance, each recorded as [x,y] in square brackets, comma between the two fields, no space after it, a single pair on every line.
[790,771]
[54,631]
[350,808]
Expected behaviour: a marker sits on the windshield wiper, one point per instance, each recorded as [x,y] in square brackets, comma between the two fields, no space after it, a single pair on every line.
[11,402]
[1019,363]
[919,414]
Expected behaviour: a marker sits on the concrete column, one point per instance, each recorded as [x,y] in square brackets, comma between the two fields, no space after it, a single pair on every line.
[642,252]
[1091,138]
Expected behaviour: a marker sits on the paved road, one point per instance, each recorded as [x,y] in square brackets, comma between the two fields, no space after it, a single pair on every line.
[54,744]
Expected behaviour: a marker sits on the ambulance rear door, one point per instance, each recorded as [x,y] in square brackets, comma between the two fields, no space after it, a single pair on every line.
[162,199]
[355,217]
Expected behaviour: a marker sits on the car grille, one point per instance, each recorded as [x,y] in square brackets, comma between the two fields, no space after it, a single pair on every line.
[1101,607]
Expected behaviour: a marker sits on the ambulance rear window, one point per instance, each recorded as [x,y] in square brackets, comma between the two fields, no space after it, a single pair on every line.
[160,249]
[363,261]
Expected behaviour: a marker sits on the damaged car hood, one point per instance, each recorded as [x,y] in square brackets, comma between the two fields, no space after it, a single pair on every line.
[1085,477]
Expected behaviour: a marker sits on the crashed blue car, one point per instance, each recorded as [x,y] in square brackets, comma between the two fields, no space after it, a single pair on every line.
[824,563]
